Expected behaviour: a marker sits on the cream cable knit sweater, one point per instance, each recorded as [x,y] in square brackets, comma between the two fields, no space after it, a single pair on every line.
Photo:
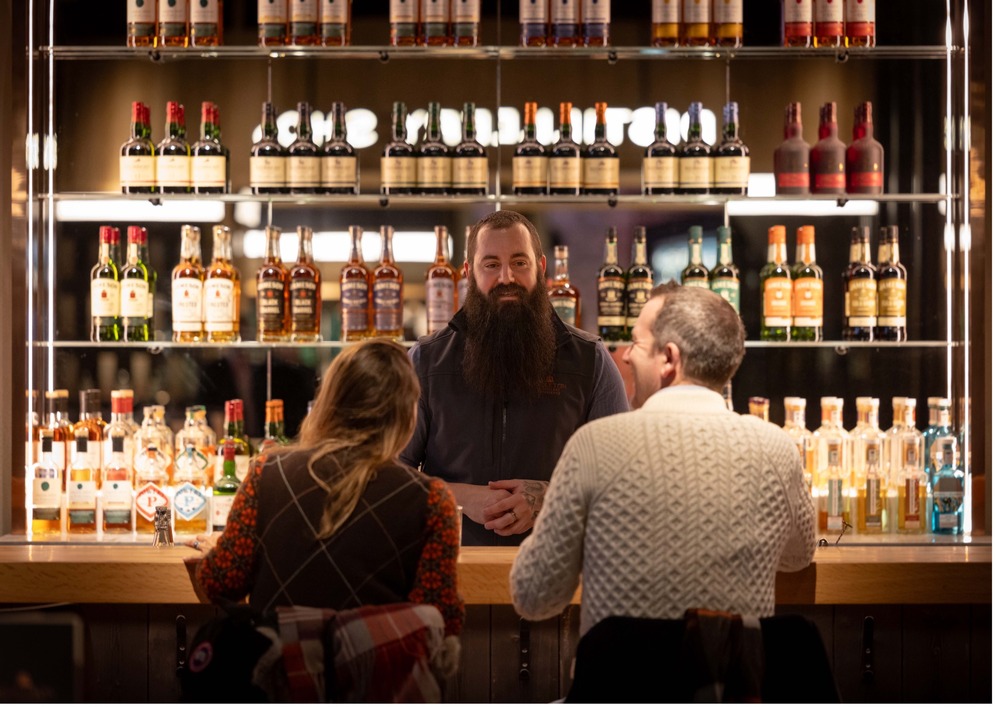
[679,504]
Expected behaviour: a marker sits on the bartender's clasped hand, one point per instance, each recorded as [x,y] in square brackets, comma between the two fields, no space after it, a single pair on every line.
[517,513]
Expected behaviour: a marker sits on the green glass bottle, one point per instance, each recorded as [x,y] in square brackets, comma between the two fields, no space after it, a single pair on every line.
[724,279]
[776,289]
[695,273]
[105,292]
[225,489]
[807,288]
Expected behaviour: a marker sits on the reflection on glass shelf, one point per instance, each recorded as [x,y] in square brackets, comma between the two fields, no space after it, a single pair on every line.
[160,345]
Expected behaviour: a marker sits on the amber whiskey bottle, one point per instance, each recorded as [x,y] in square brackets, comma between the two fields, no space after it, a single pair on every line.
[173,23]
[639,278]
[137,164]
[611,292]
[797,23]
[404,23]
[694,165]
[600,161]
[564,297]
[466,22]
[565,158]
[206,26]
[272,21]
[695,20]
[272,293]
[304,161]
[336,22]
[563,23]
[173,154]
[596,18]
[665,23]
[222,291]
[828,23]
[440,285]
[397,164]
[776,289]
[142,23]
[792,155]
[530,163]
[860,289]
[859,25]
[187,285]
[892,287]
[865,155]
[268,158]
[305,291]
[731,159]
[388,290]
[828,157]
[302,29]
[533,21]
[435,27]
[354,286]
[728,22]
[660,161]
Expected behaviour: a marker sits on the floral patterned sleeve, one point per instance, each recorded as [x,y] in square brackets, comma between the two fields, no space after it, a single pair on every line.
[436,575]
[227,571]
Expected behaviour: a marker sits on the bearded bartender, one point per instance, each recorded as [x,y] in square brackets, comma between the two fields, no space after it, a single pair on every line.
[505,385]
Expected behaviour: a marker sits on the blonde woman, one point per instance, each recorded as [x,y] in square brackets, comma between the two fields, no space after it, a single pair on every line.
[336,521]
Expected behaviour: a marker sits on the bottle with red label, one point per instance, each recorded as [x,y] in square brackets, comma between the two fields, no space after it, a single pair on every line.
[828,23]
[792,156]
[828,156]
[865,156]
[859,23]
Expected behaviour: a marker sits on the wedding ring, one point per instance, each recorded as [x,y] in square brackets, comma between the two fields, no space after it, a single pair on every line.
[197,544]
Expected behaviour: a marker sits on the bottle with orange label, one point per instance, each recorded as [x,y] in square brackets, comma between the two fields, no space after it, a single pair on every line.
[776,289]
[807,288]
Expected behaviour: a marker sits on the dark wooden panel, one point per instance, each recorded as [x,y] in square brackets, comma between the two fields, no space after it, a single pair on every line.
[117,655]
[981,651]
[820,615]
[882,683]
[936,653]
[570,629]
[540,681]
[472,683]
[164,685]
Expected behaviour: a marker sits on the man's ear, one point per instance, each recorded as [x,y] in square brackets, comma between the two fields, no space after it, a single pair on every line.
[670,359]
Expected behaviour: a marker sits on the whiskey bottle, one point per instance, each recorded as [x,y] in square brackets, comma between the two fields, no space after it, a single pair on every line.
[660,161]
[191,502]
[865,156]
[58,427]
[339,167]
[440,285]
[225,488]
[187,284]
[832,453]
[272,21]
[639,278]
[305,291]
[892,281]
[600,161]
[695,20]
[728,23]
[302,30]
[797,23]
[611,292]
[759,407]
[336,22]
[137,163]
[273,435]
[156,433]
[45,507]
[565,158]
[105,294]
[948,486]
[81,489]
[466,22]
[272,293]
[912,489]
[795,427]
[694,164]
[564,297]
[141,23]
[434,166]
[173,23]
[117,502]
[235,433]
[665,23]
[90,427]
[595,21]
[860,23]
[173,154]
[388,290]
[792,156]
[807,288]
[731,160]
[208,164]
[135,290]
[354,286]
[828,23]
[724,278]
[530,165]
[268,158]
[903,432]
[695,273]
[776,289]
[470,161]
[563,23]
[404,23]
[206,26]
[222,291]
[151,484]
[397,165]
[860,290]
[872,489]
[828,156]
[533,20]
[304,162]
[122,425]
[435,24]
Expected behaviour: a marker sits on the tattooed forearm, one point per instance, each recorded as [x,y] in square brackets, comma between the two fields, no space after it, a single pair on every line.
[533,492]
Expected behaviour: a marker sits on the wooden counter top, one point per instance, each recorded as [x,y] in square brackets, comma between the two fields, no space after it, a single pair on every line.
[132,574]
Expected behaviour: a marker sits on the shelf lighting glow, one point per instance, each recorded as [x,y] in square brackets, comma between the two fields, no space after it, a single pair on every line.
[111,210]
[761,186]
[333,246]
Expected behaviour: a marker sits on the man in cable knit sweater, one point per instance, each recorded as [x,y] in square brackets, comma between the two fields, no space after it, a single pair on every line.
[678,504]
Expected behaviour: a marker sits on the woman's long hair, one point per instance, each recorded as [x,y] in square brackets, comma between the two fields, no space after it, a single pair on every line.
[362,418]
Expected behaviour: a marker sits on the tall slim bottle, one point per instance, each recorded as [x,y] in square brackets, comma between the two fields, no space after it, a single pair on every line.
[440,285]
[206,26]
[797,23]
[470,161]
[792,155]
[731,158]
[892,280]
[776,289]
[466,22]
[404,23]
[340,170]
[660,161]
[208,162]
[696,16]
[272,21]
[828,157]
[596,17]
[135,289]
[611,292]
[665,23]
[173,23]
[105,293]
[860,289]
[388,290]
[639,278]
[695,274]
[565,158]
[354,284]
[865,155]
[268,158]
[304,160]
[302,28]
[187,284]
[912,489]
[137,163]
[141,23]
[272,293]
[336,22]
[724,278]
[828,23]
[600,161]
[397,165]
[728,23]
[694,163]
[563,23]
[807,288]
[173,154]
[564,297]
[533,20]
[305,291]
[222,291]
[530,163]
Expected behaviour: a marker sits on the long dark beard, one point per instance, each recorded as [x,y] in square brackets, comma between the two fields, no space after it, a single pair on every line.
[510,345]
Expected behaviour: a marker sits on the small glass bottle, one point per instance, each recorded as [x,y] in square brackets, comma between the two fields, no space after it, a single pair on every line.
[304,160]
[206,26]
[865,155]
[340,171]
[694,164]
[792,155]
[600,161]
[530,163]
[860,289]
[665,23]
[660,161]
[859,25]
[354,284]
[435,28]
[724,278]
[398,174]
[137,163]
[776,289]
[695,273]
[563,23]
[105,293]
[696,16]
[268,158]
[187,285]
[731,159]
[173,154]
[470,161]
[302,29]
[434,165]
[828,156]
[564,297]
[807,288]
[533,21]
[222,291]
[305,291]
[948,486]
[225,488]
[173,23]
[135,289]
[272,293]
[336,22]
[466,22]
[797,23]
[45,509]
[404,23]
[892,281]
[142,23]
[639,278]
[272,20]
[565,158]
[596,18]
[728,22]
[611,292]
[209,161]
[828,23]
[388,290]
[440,285]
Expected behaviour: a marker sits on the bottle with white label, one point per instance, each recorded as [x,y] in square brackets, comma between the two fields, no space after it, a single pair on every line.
[105,293]
[335,22]
[117,499]
[302,27]
[434,165]
[397,164]
[225,489]
[268,158]
[45,504]
[595,20]
[859,23]
[141,23]
[533,19]
[731,159]
[206,23]
[340,168]
[470,161]
[694,156]
[188,288]
[948,484]
[173,154]
[660,162]
[135,291]
[222,291]
[191,497]
[665,22]
[173,23]
[271,16]
[434,27]
[404,23]
[81,489]
[728,22]
[530,165]
[304,161]
[209,158]
[137,163]
[467,22]
[563,23]
[440,285]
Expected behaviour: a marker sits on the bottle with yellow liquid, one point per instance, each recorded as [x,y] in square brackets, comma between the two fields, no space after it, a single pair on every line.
[795,426]
[872,491]
[151,482]
[833,509]
[45,505]
[191,490]
[911,516]
[81,489]
[117,499]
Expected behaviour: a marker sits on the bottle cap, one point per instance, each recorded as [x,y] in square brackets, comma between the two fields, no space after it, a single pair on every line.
[776,234]
[138,234]
[805,235]
[695,234]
